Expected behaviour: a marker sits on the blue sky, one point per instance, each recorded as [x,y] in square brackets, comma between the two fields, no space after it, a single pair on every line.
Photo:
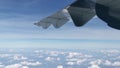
[17,29]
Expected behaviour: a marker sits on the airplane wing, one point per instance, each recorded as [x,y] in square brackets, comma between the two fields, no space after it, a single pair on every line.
[57,20]
[109,11]
[81,11]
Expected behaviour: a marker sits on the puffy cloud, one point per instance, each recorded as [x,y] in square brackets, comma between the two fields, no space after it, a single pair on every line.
[94,66]
[80,61]
[78,55]
[54,53]
[31,63]
[75,58]
[70,63]
[16,66]
[117,63]
[19,57]
[75,61]
[51,59]
[25,67]
[96,62]
[13,56]
[109,63]
[1,66]
[24,64]
[73,54]
[59,66]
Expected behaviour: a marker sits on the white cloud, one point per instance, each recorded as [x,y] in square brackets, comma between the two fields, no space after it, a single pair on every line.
[96,62]
[1,65]
[73,54]
[31,63]
[49,59]
[16,66]
[109,63]
[59,66]
[117,63]
[54,53]
[19,57]
[75,58]
[80,61]
[78,55]
[76,61]
[25,67]
[23,64]
[70,63]
[94,66]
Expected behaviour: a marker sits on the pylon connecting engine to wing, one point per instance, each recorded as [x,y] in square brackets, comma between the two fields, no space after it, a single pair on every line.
[81,11]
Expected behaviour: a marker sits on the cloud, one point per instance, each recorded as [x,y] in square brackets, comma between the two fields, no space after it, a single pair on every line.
[54,53]
[16,66]
[23,64]
[31,63]
[1,65]
[96,62]
[94,66]
[72,54]
[77,58]
[59,66]
[4,55]
[25,67]
[70,63]
[109,63]
[19,57]
[110,51]
[80,61]
[77,55]
[51,59]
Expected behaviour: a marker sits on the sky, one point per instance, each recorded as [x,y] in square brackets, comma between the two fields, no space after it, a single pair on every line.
[17,30]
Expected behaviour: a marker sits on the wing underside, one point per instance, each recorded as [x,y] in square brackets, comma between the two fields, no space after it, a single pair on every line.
[81,11]
[109,11]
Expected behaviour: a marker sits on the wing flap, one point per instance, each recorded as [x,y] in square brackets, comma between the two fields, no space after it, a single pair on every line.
[57,20]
